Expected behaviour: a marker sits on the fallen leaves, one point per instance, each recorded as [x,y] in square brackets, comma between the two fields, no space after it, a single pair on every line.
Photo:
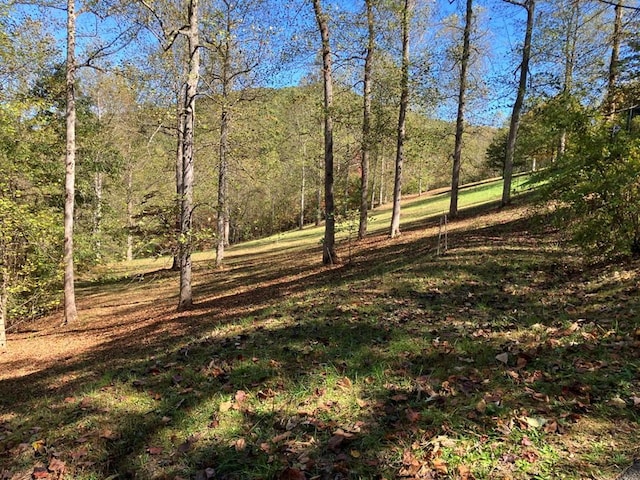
[292,474]
[345,383]
[503,358]
[240,397]
[154,450]
[55,469]
[412,467]
[240,444]
[40,472]
[335,442]
[473,381]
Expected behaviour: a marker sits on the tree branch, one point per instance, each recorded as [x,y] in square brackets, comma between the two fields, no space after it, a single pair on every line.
[622,5]
[516,2]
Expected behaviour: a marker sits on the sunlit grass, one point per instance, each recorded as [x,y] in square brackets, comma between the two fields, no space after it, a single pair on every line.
[421,209]
[504,358]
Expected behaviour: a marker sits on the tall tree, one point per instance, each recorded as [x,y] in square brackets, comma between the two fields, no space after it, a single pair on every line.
[179,167]
[188,135]
[225,49]
[457,150]
[329,256]
[569,54]
[366,122]
[614,62]
[529,6]
[158,21]
[70,310]
[236,47]
[404,104]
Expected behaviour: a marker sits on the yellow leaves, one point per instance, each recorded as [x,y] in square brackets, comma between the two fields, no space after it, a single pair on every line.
[38,446]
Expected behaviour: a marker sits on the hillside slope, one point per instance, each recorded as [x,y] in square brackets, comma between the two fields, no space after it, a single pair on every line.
[504,358]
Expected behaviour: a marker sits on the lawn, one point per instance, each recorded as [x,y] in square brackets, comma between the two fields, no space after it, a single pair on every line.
[508,357]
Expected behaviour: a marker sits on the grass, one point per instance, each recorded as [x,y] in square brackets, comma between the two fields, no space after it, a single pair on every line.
[508,357]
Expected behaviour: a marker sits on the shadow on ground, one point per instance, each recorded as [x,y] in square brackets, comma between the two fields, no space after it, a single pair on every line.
[489,360]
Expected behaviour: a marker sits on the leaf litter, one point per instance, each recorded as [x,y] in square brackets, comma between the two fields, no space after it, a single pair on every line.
[472,366]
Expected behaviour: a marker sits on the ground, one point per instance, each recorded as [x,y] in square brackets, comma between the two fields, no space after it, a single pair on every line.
[508,356]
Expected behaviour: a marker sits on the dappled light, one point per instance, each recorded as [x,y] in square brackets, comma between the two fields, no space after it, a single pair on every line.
[504,358]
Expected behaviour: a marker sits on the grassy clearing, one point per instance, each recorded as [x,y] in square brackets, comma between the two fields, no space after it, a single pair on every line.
[507,358]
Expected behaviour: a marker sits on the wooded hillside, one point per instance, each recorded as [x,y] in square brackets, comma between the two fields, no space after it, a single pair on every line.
[138,129]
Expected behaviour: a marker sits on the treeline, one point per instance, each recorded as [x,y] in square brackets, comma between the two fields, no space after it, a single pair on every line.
[125,194]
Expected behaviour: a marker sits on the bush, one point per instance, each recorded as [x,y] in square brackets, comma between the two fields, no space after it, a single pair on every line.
[29,259]
[595,188]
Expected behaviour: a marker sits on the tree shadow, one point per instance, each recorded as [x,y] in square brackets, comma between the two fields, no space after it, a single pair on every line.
[416,335]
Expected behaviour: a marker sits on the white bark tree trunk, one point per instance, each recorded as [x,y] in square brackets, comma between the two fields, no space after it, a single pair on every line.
[70,311]
[404,103]
[366,124]
[186,243]
[4,293]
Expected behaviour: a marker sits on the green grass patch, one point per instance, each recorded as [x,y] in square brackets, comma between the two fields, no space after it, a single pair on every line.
[505,358]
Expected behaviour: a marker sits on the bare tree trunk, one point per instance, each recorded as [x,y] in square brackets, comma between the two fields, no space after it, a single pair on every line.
[329,256]
[222,182]
[318,206]
[70,311]
[302,188]
[366,124]
[226,80]
[374,184]
[614,63]
[4,297]
[129,182]
[98,181]
[180,121]
[529,5]
[457,150]
[186,209]
[383,194]
[227,220]
[404,103]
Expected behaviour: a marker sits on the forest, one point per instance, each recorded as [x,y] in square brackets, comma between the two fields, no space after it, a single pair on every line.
[319,239]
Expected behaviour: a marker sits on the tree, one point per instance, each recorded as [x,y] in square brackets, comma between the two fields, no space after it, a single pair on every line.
[70,310]
[329,256]
[188,29]
[614,63]
[366,122]
[570,61]
[404,104]
[457,151]
[32,103]
[105,47]
[595,188]
[188,123]
[529,5]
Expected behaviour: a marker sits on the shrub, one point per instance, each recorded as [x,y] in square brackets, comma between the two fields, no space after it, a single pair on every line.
[595,188]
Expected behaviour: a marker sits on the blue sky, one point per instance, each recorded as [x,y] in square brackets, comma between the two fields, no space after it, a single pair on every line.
[504,22]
